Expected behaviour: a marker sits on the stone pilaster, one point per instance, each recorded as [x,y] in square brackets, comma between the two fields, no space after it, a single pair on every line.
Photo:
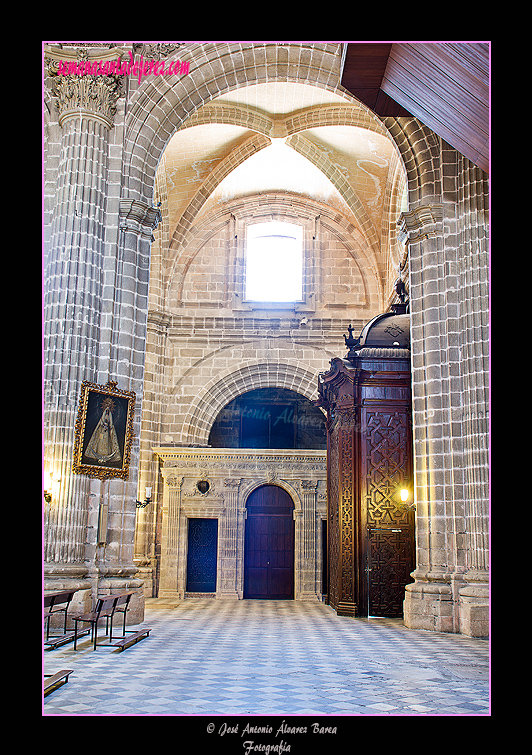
[228,541]
[306,535]
[170,536]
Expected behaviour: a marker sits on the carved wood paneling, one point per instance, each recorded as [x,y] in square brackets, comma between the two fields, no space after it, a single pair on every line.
[370,541]
[385,465]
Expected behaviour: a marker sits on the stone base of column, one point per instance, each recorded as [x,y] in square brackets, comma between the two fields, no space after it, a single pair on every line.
[308,597]
[146,574]
[475,609]
[227,595]
[171,594]
[429,606]
[68,577]
[434,605]
[112,585]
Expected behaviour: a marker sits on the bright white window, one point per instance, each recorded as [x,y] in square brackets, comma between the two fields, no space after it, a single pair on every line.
[274,262]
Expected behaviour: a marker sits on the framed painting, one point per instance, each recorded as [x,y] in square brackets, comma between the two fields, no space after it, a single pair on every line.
[104,431]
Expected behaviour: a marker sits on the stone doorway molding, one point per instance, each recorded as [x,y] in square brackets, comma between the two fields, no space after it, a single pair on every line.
[232,475]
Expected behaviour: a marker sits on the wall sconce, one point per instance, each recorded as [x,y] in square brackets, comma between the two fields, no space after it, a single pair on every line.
[404,495]
[143,504]
[50,487]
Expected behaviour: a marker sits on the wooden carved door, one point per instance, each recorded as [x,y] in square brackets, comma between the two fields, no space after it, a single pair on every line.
[390,561]
[389,547]
[269,545]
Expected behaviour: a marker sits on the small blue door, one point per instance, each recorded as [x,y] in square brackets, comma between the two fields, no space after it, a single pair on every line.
[202,555]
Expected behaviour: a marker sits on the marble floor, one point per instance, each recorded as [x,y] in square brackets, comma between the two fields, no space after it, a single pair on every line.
[221,658]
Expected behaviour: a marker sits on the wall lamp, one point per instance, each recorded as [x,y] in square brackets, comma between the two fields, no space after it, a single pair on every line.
[143,504]
[404,495]
[50,487]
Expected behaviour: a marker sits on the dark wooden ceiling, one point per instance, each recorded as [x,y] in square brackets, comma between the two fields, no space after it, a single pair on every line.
[443,84]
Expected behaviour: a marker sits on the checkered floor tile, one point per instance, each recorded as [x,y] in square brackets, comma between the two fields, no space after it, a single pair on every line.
[272,658]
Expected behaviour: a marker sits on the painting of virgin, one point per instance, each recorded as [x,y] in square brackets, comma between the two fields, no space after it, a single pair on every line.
[103,431]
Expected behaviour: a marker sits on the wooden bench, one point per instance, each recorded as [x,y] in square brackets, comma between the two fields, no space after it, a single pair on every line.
[57,602]
[105,608]
[134,637]
[121,606]
[55,642]
[51,681]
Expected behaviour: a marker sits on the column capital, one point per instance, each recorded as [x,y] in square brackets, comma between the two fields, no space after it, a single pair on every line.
[90,94]
[232,483]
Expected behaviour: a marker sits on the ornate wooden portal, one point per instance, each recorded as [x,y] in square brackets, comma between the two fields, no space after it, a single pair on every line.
[369,461]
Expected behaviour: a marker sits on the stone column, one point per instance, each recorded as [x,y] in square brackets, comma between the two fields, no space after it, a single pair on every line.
[227,580]
[429,601]
[472,414]
[96,280]
[447,302]
[72,308]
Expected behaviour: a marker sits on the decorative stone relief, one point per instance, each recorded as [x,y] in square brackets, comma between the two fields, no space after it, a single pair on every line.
[232,476]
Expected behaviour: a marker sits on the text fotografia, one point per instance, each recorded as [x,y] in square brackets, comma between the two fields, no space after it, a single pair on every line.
[251,746]
[138,68]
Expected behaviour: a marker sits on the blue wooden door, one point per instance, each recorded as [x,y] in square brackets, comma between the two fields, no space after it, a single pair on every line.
[202,555]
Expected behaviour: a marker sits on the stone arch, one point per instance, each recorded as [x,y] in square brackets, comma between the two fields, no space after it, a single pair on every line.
[182,233]
[159,109]
[251,485]
[291,127]
[305,148]
[224,388]
[419,148]
[327,115]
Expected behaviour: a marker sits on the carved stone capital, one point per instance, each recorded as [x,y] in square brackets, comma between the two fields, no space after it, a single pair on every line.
[156,50]
[83,95]
[174,482]
[232,483]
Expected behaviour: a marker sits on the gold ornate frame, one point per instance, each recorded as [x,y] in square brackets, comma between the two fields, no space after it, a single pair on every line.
[103,431]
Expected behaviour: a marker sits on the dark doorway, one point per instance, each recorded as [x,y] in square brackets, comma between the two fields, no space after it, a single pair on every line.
[202,555]
[269,545]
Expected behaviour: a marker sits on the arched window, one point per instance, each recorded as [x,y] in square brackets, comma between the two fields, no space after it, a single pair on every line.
[274,262]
